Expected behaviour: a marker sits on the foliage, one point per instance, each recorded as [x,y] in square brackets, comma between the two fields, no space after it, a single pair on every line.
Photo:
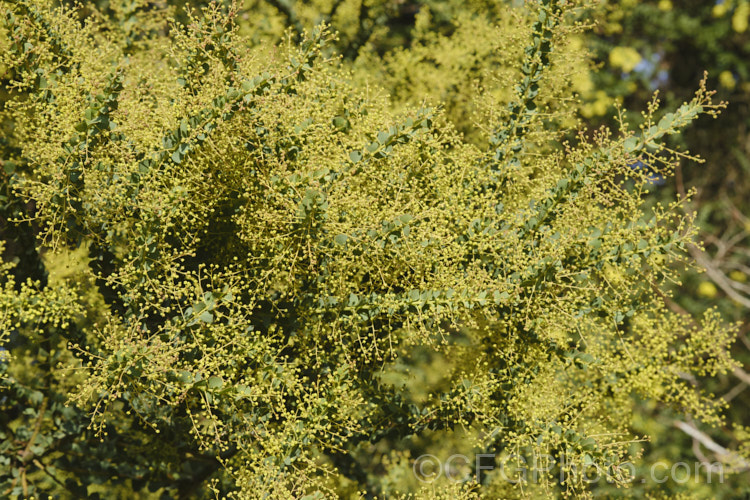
[670,44]
[274,244]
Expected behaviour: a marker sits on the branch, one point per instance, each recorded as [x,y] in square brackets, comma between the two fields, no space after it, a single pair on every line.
[675,307]
[700,256]
[722,453]
[718,277]
[46,471]
[742,375]
[736,390]
[26,455]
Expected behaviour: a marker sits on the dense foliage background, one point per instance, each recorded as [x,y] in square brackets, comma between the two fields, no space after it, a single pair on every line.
[284,249]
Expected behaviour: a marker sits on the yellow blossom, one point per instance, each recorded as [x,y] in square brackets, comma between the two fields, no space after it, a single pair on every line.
[707,289]
[665,5]
[740,17]
[726,79]
[719,9]
[738,276]
[626,58]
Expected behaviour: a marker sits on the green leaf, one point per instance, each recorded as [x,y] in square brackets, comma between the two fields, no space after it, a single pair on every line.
[588,444]
[244,391]
[355,156]
[341,239]
[340,123]
[215,382]
[206,317]
[666,122]
[630,144]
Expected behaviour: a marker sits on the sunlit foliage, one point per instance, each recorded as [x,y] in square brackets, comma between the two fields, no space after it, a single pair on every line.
[274,242]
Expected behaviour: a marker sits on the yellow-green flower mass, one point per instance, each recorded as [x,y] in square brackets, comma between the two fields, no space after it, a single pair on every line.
[626,58]
[252,262]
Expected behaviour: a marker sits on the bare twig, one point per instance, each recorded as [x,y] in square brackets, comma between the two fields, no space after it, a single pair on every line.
[27,454]
[736,390]
[717,276]
[722,453]
[742,375]
[743,338]
[46,471]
